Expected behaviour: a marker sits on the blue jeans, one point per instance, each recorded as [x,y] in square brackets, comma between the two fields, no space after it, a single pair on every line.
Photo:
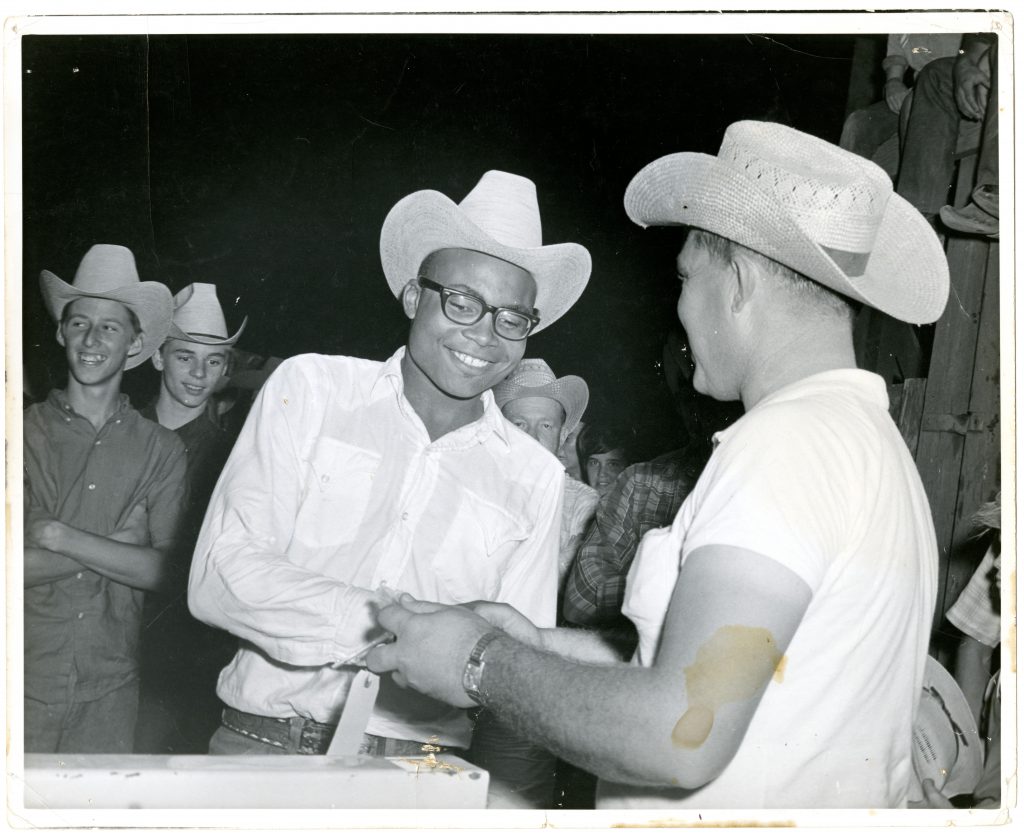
[104,725]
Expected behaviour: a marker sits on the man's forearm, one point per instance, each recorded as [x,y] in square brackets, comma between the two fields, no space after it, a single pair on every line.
[42,566]
[135,565]
[584,646]
[591,715]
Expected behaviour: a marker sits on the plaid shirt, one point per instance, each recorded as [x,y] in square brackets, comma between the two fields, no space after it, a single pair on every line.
[645,496]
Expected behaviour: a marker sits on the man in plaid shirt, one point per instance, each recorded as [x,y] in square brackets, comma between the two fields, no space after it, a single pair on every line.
[645,496]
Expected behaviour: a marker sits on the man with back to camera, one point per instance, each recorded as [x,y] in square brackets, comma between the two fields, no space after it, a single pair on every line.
[104,491]
[353,479]
[784,618]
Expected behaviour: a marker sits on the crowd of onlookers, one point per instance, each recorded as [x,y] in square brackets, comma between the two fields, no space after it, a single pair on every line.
[205,571]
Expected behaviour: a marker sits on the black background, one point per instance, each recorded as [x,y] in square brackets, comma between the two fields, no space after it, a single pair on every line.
[266,163]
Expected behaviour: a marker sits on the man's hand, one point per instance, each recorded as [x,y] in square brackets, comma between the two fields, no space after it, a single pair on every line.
[433,643]
[44,532]
[509,620]
[895,92]
[971,84]
[135,529]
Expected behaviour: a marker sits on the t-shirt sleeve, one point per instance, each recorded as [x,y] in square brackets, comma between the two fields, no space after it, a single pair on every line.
[775,488]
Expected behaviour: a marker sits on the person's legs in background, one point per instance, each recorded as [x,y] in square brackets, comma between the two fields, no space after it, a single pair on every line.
[927,161]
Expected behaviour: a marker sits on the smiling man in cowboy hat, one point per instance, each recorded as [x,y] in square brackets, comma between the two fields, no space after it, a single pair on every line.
[181,656]
[354,479]
[784,617]
[104,489]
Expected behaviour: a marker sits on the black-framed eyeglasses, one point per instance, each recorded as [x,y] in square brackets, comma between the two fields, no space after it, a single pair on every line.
[464,308]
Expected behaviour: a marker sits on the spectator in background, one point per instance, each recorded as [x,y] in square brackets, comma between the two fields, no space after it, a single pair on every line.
[948,93]
[549,409]
[644,497]
[181,656]
[977,98]
[874,131]
[604,451]
[104,493]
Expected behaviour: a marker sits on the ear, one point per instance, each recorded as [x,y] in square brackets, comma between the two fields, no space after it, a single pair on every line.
[742,282]
[60,334]
[135,346]
[158,361]
[411,297]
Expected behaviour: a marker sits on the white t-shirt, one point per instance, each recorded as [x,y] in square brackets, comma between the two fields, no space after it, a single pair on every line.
[818,478]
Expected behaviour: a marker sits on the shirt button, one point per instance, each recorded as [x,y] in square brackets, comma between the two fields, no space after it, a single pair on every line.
[98,442]
[405,516]
[92,486]
[118,422]
[81,614]
[78,575]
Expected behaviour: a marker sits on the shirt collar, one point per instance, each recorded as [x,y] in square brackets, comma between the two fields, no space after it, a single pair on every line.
[58,398]
[864,384]
[389,380]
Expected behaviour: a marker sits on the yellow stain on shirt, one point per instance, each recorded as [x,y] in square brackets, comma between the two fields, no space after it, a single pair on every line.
[732,665]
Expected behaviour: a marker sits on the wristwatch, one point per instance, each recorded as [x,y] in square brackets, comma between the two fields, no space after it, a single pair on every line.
[473,675]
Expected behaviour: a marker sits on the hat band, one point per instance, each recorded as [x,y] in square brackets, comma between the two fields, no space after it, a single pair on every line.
[204,335]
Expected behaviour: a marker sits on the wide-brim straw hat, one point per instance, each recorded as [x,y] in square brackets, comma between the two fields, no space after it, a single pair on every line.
[533,378]
[946,746]
[198,317]
[824,212]
[108,271]
[499,217]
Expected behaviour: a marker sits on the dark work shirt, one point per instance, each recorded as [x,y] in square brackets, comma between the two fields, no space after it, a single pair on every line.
[82,632]
[207,447]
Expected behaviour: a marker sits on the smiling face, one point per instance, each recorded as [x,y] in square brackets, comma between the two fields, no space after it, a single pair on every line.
[457,362]
[539,417]
[190,372]
[604,467]
[98,336]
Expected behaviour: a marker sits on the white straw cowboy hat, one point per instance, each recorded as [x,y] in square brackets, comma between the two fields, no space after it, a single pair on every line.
[533,378]
[946,747]
[198,317]
[824,212]
[108,271]
[499,217]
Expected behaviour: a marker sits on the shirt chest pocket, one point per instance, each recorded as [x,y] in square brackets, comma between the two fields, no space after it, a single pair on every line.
[339,484]
[480,545]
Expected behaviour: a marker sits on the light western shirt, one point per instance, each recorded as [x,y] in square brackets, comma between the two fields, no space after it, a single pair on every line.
[335,490]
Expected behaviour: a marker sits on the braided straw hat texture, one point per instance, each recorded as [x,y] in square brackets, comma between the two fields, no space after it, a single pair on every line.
[499,217]
[822,211]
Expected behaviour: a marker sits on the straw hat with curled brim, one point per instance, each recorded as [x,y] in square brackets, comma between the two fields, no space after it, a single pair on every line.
[198,317]
[499,217]
[533,378]
[108,271]
[824,212]
[946,747]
